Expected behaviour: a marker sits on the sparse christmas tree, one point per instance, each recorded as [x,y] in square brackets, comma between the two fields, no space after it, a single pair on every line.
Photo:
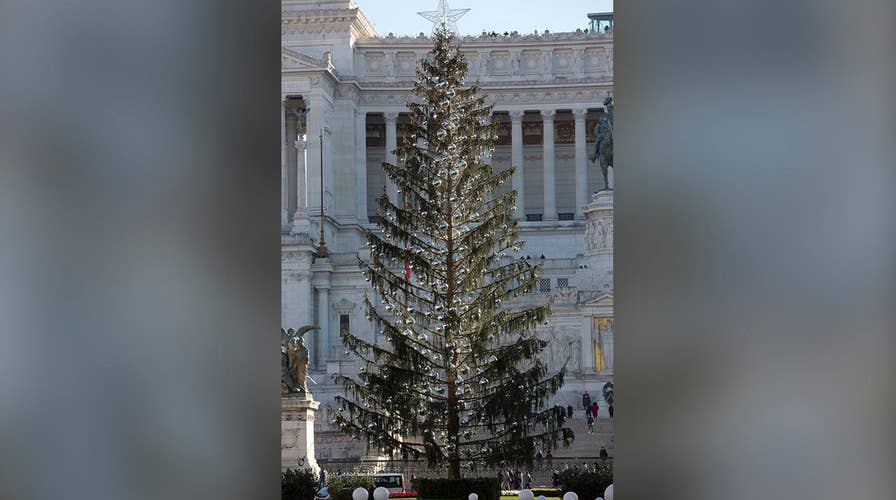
[455,376]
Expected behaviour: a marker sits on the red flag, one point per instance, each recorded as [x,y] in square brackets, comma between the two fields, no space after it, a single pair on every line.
[407,271]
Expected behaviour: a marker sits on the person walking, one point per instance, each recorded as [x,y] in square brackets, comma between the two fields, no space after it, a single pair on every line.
[586,400]
[603,453]
[527,480]
[594,409]
[590,424]
[568,411]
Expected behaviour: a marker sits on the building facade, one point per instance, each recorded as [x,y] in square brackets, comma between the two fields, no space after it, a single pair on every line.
[343,94]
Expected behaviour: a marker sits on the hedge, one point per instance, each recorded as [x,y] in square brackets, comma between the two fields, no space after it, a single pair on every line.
[341,487]
[488,488]
[298,485]
[587,484]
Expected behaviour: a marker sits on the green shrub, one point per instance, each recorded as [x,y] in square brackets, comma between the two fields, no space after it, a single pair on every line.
[488,488]
[298,485]
[587,484]
[341,487]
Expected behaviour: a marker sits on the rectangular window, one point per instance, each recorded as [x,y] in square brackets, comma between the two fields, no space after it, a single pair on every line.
[343,323]
[544,285]
[533,217]
[562,282]
[566,215]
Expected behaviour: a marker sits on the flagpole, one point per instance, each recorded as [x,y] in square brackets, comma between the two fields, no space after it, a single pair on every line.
[322,251]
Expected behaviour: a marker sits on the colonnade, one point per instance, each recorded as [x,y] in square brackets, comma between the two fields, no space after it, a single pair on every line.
[292,137]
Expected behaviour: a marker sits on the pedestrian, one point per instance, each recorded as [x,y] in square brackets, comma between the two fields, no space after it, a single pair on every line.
[568,411]
[603,453]
[527,480]
[588,411]
[594,409]
[323,477]
[519,479]
[586,400]
[590,424]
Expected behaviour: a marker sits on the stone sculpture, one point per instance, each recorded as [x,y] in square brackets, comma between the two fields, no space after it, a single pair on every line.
[294,358]
[603,141]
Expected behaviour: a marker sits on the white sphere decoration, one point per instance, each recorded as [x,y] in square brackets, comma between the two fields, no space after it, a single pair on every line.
[540,497]
[526,495]
[473,496]
[360,494]
[570,496]
[380,493]
[608,493]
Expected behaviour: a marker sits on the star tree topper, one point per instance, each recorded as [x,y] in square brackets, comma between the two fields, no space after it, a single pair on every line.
[445,16]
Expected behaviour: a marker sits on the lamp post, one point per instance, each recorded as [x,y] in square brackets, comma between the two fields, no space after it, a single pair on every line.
[322,251]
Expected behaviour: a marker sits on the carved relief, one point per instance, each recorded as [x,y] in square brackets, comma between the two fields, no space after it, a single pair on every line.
[407,63]
[389,65]
[599,233]
[500,63]
[531,62]
[563,61]
[563,348]
[565,296]
[374,63]
[596,60]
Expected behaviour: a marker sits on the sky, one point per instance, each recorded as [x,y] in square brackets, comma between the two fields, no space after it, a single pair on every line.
[400,16]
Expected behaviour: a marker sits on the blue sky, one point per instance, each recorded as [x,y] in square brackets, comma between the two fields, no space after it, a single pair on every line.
[400,16]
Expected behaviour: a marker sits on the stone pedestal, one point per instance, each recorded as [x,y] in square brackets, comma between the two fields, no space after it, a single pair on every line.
[598,254]
[297,415]
[301,222]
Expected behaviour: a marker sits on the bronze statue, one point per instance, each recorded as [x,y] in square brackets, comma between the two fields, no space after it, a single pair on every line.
[603,141]
[294,358]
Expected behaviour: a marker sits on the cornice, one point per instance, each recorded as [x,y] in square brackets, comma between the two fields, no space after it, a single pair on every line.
[351,18]
[493,86]
[514,39]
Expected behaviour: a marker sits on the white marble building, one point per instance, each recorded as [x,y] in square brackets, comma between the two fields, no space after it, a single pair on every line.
[347,84]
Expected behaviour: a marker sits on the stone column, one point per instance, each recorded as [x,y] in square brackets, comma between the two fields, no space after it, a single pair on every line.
[284,176]
[550,187]
[587,344]
[581,163]
[516,159]
[301,223]
[391,144]
[322,269]
[487,155]
[314,124]
[301,189]
[361,165]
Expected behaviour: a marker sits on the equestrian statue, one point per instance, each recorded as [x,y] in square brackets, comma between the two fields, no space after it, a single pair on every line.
[603,141]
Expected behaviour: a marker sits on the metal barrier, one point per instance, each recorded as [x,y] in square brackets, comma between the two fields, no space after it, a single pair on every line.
[540,471]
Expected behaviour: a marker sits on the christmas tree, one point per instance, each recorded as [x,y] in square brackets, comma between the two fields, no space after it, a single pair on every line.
[455,376]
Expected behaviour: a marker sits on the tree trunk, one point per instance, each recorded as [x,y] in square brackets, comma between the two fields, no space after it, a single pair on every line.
[454,468]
